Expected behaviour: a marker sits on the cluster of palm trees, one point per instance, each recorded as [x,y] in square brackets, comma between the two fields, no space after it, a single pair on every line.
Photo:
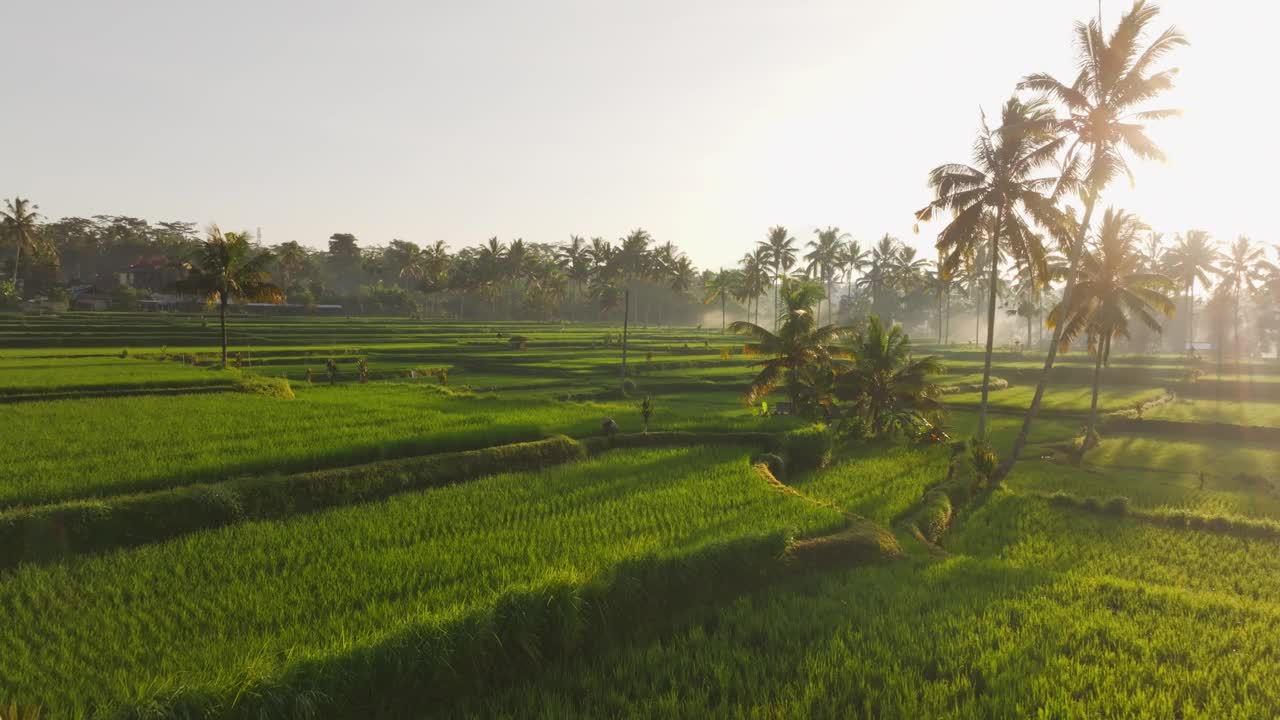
[871,370]
[1056,142]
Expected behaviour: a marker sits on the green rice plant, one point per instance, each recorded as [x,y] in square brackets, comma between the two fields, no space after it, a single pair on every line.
[106,630]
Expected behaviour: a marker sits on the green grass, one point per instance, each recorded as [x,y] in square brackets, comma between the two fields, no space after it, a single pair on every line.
[76,448]
[1060,398]
[1037,612]
[1261,414]
[251,600]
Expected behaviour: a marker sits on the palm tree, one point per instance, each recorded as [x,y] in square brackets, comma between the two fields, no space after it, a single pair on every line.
[823,260]
[1244,267]
[1114,286]
[1001,188]
[853,258]
[880,270]
[798,343]
[20,221]
[575,256]
[1116,78]
[1189,261]
[779,254]
[886,386]
[226,267]
[720,286]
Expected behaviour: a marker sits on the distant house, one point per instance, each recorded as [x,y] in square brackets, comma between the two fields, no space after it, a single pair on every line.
[90,301]
[153,272]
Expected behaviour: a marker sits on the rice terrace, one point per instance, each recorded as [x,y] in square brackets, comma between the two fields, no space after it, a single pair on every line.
[1016,457]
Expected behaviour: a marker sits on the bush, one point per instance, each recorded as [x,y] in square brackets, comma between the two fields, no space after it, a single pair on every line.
[777,467]
[809,448]
[983,457]
[268,386]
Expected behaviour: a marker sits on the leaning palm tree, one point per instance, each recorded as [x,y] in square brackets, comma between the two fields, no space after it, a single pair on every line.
[887,387]
[1002,191]
[780,254]
[798,343]
[1114,287]
[1244,268]
[1190,261]
[226,266]
[19,221]
[719,286]
[1117,77]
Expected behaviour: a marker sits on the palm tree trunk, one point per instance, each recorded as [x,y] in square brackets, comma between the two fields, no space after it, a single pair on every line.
[1103,345]
[1028,330]
[721,312]
[17,257]
[991,326]
[222,319]
[1191,316]
[1073,272]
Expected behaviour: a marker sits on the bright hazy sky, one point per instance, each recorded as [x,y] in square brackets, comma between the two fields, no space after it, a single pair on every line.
[703,122]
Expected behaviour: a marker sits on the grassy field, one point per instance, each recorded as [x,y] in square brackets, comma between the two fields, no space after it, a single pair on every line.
[1031,608]
[253,599]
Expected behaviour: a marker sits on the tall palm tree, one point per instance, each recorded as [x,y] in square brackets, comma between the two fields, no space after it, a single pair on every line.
[226,266]
[798,343]
[780,254]
[823,260]
[1244,267]
[1001,188]
[853,258]
[1117,77]
[1114,286]
[753,276]
[886,386]
[575,257]
[719,286]
[20,223]
[1190,261]
[879,270]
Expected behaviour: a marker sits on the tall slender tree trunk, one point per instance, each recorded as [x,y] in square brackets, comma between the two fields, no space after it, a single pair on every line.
[222,320]
[722,310]
[1028,330]
[626,316]
[1104,346]
[940,296]
[1191,316]
[1073,272]
[991,326]
[17,257]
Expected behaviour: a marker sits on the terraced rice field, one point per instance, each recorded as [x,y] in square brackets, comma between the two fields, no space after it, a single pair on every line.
[664,577]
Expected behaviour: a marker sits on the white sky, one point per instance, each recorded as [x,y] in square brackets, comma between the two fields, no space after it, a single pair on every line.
[704,122]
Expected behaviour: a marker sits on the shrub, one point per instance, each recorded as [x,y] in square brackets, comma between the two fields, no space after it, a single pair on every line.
[362,369]
[809,448]
[268,386]
[124,353]
[984,458]
[777,466]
